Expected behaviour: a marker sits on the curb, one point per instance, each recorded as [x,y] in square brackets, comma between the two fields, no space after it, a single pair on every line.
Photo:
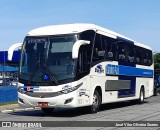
[20,109]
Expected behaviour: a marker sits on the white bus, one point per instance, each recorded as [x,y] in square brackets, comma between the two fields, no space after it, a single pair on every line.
[77,65]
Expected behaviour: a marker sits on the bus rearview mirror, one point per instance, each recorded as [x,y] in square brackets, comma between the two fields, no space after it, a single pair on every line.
[11,50]
[76,47]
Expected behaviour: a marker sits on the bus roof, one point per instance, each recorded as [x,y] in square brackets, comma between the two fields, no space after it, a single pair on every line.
[69,29]
[61,29]
[75,28]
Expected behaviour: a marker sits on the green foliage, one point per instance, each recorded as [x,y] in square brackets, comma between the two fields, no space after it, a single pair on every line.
[157,65]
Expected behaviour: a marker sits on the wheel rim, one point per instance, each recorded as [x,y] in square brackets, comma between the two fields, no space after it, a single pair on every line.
[95,102]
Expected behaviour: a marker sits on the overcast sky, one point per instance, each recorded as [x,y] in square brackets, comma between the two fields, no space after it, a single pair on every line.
[136,19]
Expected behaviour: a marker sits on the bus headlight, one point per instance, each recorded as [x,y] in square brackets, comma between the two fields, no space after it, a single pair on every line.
[67,89]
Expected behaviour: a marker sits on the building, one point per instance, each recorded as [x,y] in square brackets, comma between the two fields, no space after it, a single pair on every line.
[9,68]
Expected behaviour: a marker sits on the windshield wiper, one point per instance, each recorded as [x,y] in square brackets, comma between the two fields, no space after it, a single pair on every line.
[45,70]
[51,76]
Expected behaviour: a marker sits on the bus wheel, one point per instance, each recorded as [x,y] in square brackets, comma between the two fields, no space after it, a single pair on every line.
[48,111]
[96,102]
[141,96]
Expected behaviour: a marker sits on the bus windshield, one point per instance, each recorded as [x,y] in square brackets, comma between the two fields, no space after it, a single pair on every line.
[47,60]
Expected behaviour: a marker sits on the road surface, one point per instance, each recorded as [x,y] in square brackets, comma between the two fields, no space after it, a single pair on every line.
[149,113]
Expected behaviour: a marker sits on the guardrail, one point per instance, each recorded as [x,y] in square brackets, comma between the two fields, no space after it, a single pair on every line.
[8,94]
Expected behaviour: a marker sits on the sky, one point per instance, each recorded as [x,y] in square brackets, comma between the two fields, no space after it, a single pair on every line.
[136,19]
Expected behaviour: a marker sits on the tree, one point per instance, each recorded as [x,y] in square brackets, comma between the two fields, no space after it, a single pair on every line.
[156,65]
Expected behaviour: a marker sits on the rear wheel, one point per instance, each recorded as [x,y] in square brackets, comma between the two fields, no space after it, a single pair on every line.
[96,102]
[48,111]
[141,96]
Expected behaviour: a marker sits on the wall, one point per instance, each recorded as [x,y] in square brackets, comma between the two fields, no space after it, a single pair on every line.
[8,94]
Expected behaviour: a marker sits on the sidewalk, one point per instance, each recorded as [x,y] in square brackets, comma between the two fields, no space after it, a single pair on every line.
[9,106]
[14,108]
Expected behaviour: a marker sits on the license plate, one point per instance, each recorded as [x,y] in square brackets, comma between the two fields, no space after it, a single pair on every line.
[43,104]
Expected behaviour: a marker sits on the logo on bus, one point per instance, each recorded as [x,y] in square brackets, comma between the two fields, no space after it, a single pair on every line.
[112,69]
[42,95]
[99,69]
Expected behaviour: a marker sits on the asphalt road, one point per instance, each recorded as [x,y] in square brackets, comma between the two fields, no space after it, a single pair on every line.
[124,111]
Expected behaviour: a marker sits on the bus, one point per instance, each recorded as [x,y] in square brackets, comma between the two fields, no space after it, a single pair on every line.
[78,65]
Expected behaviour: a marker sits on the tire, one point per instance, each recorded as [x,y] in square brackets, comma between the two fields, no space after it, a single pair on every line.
[94,108]
[141,96]
[48,111]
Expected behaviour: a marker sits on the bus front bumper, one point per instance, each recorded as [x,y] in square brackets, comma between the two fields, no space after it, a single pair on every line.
[69,100]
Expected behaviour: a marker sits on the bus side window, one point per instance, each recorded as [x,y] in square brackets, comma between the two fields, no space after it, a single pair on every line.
[137,60]
[88,35]
[131,57]
[137,55]
[143,56]
[122,52]
[99,51]
[147,57]
[110,48]
[110,55]
[83,63]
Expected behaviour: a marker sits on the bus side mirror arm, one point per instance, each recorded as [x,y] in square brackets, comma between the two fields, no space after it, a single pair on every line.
[76,47]
[11,50]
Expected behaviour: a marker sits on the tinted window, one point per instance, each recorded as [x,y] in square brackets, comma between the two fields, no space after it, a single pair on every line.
[147,57]
[85,52]
[123,52]
[110,48]
[137,55]
[106,48]
[99,49]
[143,56]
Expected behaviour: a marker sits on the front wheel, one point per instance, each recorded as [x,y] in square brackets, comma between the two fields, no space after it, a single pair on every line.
[96,102]
[48,111]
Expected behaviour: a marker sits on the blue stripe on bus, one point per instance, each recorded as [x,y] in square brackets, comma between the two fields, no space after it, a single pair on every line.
[128,71]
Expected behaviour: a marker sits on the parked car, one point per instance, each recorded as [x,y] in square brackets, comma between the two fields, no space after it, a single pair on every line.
[14,81]
[5,81]
[8,81]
